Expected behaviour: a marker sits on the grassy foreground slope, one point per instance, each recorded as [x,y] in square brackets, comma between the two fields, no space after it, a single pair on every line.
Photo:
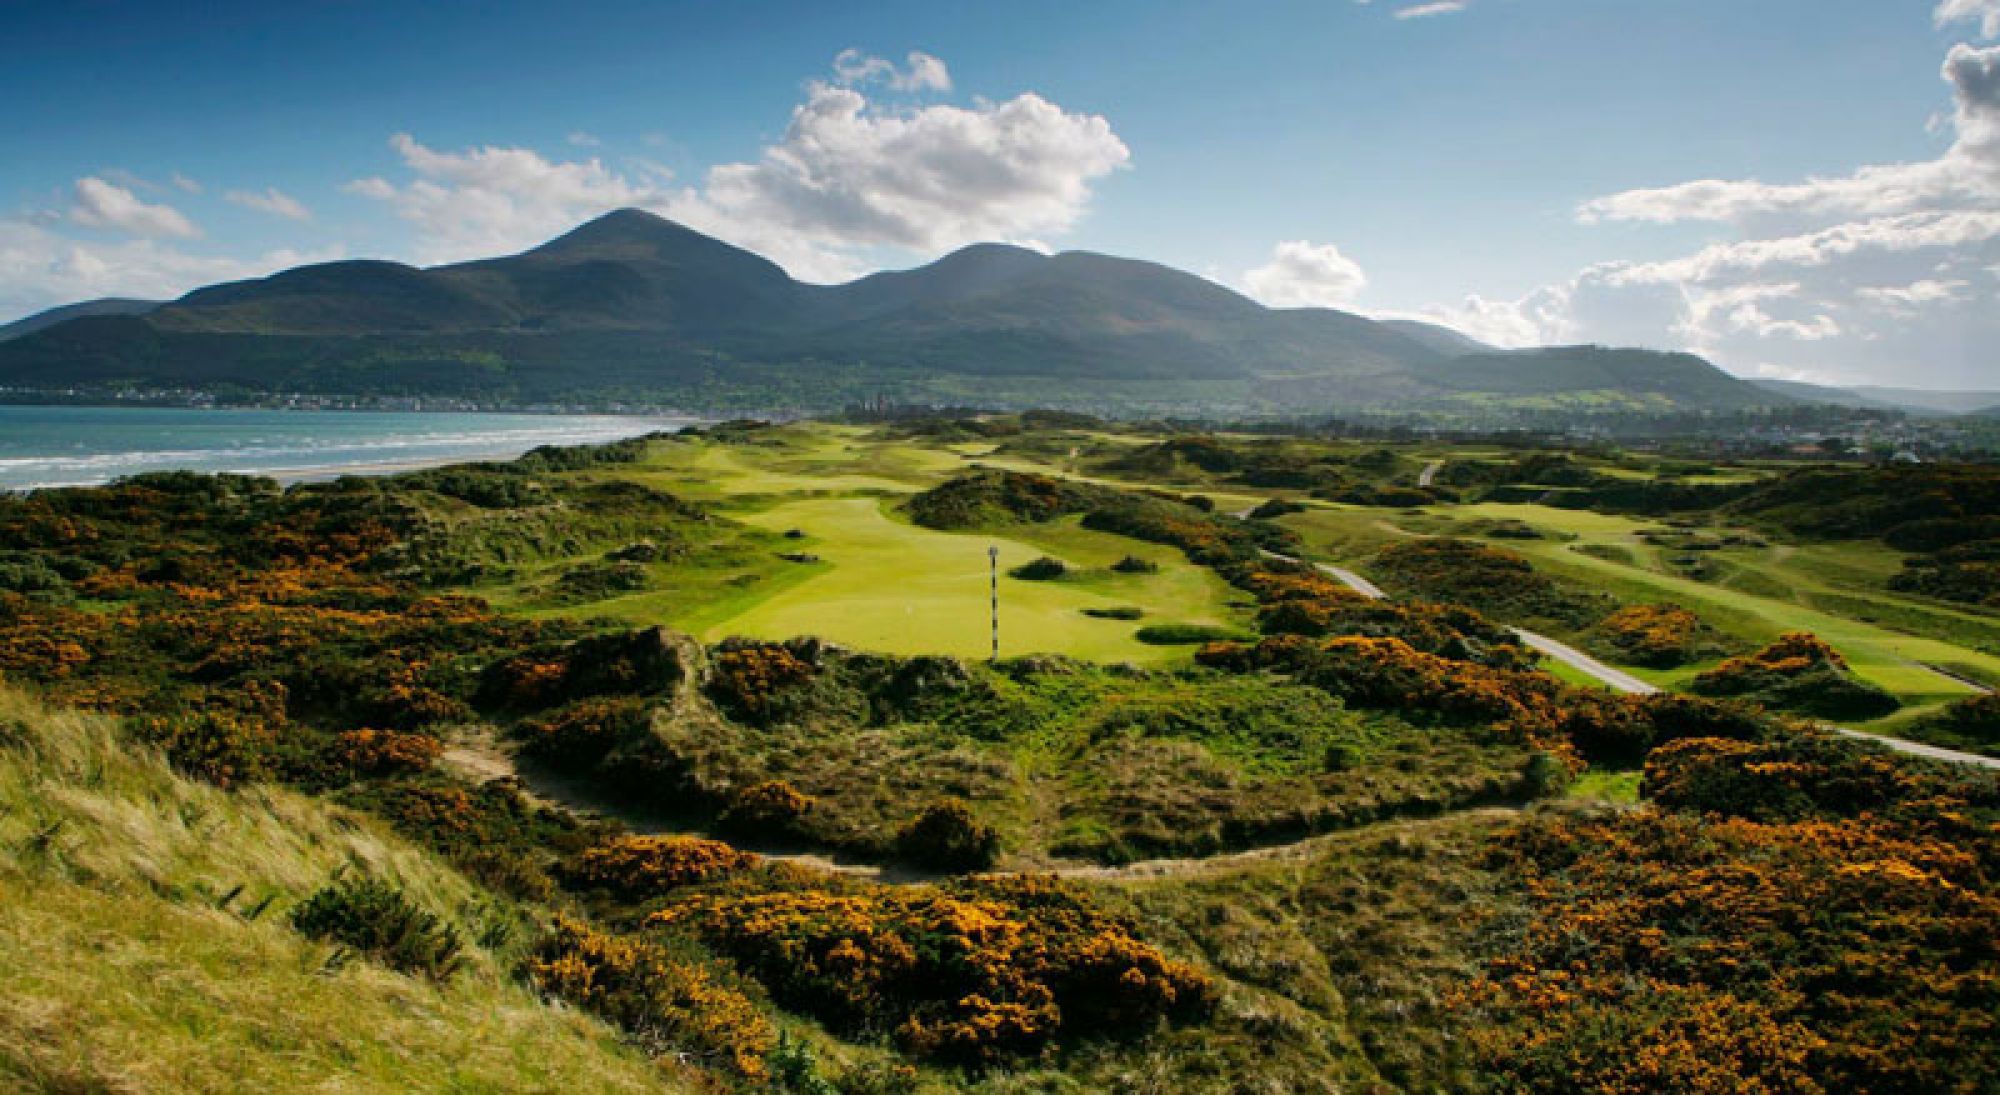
[145,942]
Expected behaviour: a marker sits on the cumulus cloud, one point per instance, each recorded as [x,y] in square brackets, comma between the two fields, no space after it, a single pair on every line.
[847,174]
[40,268]
[1306,275]
[921,71]
[850,173]
[1984,12]
[271,200]
[101,204]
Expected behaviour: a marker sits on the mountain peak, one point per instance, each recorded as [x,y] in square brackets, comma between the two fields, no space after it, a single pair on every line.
[625,227]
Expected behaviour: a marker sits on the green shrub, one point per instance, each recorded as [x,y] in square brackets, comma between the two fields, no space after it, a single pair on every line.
[375,918]
[1798,673]
[1188,634]
[772,809]
[1117,612]
[946,837]
[1545,775]
[1274,509]
[1132,564]
[1971,724]
[1044,569]
[220,747]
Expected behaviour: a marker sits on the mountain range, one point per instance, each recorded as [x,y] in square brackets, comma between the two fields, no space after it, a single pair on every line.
[637,308]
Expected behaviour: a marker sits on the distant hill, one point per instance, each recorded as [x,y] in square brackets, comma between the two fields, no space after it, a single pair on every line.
[1940,402]
[1820,393]
[105,306]
[1438,337]
[1583,376]
[631,306]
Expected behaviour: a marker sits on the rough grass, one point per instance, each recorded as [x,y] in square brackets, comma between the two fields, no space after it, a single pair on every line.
[145,946]
[1340,960]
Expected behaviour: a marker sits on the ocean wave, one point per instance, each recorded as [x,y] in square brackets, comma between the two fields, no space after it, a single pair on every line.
[263,450]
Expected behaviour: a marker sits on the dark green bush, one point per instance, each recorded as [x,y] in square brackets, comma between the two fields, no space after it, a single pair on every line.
[946,837]
[376,919]
[1045,569]
[1275,508]
[1188,634]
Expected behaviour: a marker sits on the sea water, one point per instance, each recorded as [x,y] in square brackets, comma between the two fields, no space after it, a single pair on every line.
[73,446]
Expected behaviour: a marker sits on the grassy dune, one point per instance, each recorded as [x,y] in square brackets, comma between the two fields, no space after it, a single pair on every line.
[145,944]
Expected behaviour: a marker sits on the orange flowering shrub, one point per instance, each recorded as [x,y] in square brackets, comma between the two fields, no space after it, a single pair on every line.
[667,1005]
[1675,952]
[773,808]
[371,752]
[223,747]
[1661,636]
[1794,653]
[1389,673]
[641,867]
[975,973]
[583,733]
[1801,775]
[749,677]
[1801,673]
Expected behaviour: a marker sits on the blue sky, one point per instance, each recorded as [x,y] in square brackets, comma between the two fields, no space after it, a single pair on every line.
[1518,168]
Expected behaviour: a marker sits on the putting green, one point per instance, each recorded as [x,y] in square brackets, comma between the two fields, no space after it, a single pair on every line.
[888,586]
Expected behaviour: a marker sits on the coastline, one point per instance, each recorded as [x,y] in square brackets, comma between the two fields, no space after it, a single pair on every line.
[73,447]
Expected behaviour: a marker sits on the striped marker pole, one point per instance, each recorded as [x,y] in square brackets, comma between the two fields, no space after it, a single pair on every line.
[993,561]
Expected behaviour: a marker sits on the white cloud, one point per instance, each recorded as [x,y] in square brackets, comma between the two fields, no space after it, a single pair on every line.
[273,201]
[848,174]
[1984,12]
[583,140]
[922,72]
[1435,7]
[40,268]
[1915,294]
[491,200]
[100,204]
[186,184]
[1306,275]
[375,187]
